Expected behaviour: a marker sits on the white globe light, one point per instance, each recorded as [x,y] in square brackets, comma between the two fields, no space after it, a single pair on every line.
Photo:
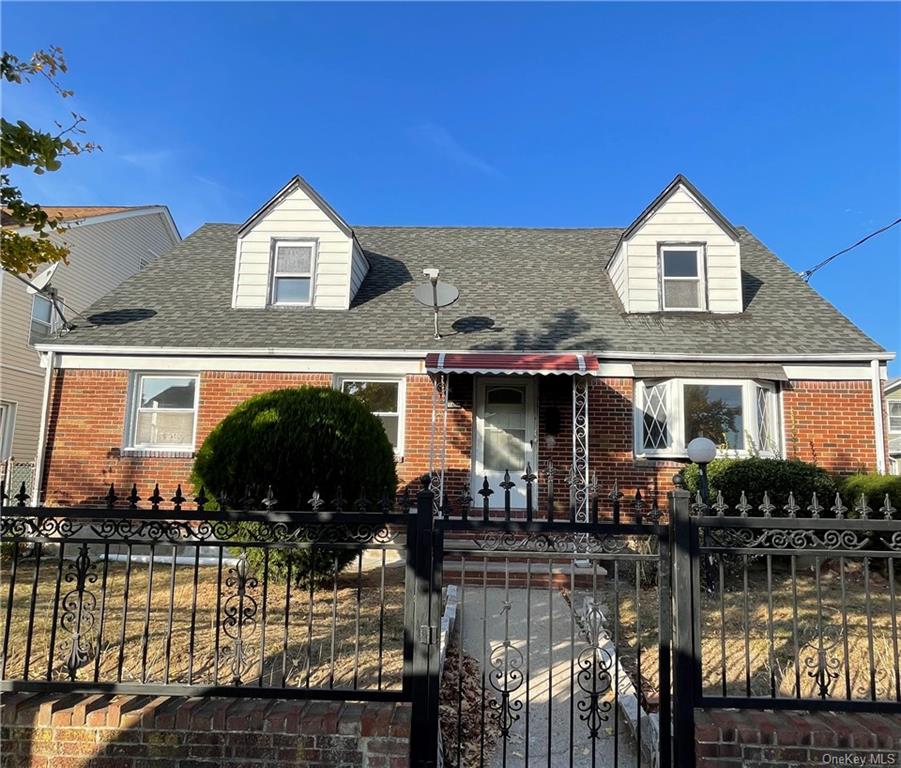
[702,450]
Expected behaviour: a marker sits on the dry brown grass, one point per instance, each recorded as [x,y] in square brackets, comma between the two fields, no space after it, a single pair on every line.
[736,648]
[367,651]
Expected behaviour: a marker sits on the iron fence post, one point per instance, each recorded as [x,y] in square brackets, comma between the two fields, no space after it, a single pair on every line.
[425,626]
[686,663]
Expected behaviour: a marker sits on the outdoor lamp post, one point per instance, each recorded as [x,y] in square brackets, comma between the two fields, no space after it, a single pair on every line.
[702,451]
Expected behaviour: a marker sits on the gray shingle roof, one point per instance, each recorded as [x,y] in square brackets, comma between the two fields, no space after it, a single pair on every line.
[520,289]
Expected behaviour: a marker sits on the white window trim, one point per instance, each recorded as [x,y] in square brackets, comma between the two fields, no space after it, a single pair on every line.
[7,429]
[700,250]
[339,381]
[274,274]
[52,327]
[676,418]
[132,419]
[897,404]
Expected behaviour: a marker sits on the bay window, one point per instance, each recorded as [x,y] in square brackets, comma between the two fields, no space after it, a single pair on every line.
[740,416]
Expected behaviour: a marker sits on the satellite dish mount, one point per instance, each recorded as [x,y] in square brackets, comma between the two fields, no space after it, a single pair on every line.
[41,286]
[435,294]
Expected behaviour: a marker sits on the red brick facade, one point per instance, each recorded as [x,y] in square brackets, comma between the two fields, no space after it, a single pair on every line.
[830,422]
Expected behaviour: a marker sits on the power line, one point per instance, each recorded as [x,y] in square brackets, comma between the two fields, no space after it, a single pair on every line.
[808,273]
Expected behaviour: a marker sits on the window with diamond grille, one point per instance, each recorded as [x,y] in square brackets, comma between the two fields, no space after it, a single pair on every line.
[656,433]
[764,431]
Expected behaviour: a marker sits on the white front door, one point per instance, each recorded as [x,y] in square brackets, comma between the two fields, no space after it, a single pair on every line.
[505,438]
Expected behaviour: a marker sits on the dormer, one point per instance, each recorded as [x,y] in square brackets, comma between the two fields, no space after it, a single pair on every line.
[679,255]
[297,254]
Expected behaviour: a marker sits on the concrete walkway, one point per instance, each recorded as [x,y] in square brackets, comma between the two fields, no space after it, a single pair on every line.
[548,693]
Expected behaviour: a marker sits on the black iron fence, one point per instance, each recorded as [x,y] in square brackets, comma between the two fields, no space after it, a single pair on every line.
[570,627]
[237,602]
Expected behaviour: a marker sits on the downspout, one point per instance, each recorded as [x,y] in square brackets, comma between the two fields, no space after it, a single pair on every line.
[877,417]
[50,359]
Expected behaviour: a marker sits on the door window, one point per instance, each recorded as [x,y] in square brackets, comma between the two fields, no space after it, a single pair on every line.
[505,430]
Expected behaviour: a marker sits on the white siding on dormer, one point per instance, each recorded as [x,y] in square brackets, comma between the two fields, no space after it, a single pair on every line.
[682,219]
[617,271]
[359,266]
[296,217]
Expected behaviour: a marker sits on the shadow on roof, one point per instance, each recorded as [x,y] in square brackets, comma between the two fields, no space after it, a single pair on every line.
[385,274]
[121,316]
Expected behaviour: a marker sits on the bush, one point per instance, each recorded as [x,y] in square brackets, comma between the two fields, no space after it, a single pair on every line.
[754,476]
[874,487]
[297,441]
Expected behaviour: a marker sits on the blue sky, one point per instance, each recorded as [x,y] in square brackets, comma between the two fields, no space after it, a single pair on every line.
[787,116]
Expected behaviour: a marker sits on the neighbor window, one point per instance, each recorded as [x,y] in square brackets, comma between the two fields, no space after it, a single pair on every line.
[739,416]
[164,412]
[44,320]
[682,272]
[894,416]
[7,427]
[292,272]
[384,399]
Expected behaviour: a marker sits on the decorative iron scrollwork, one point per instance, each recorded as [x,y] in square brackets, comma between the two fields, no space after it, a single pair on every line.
[565,543]
[78,606]
[818,657]
[594,678]
[506,677]
[240,614]
[778,538]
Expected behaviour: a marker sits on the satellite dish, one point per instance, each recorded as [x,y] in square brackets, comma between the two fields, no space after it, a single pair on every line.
[435,294]
[42,280]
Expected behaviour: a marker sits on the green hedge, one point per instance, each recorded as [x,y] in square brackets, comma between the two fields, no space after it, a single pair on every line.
[297,441]
[754,475]
[874,487]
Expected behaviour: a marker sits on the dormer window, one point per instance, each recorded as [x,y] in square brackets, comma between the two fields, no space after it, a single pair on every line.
[682,270]
[293,263]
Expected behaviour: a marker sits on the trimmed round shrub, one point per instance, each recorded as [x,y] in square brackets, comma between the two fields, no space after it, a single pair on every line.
[298,441]
[874,487]
[754,476]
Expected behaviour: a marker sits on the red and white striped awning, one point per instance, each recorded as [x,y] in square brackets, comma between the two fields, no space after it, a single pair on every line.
[509,363]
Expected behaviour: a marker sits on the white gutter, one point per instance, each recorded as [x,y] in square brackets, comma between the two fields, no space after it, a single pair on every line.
[94,349]
[42,436]
[877,417]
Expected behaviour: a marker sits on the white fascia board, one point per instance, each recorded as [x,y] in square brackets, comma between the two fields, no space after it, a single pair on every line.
[328,365]
[99,349]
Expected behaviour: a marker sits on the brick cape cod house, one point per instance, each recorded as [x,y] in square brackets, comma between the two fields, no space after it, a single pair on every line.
[600,350]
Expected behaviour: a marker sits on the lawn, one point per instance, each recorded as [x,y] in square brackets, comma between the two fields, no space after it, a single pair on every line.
[365,649]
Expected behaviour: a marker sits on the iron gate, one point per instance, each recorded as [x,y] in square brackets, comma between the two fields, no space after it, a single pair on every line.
[561,654]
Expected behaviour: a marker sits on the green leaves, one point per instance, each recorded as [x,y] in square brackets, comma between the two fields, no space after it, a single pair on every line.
[23,146]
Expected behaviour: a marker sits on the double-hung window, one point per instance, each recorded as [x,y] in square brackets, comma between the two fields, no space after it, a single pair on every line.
[164,412]
[385,399]
[44,320]
[740,416]
[682,277]
[894,416]
[293,266]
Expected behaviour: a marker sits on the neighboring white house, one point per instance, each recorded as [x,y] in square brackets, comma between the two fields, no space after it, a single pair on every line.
[107,245]
[893,407]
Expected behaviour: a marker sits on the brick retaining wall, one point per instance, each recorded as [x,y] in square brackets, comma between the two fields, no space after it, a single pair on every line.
[744,739]
[41,731]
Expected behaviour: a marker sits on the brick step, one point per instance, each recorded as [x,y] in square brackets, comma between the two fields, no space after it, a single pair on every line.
[516,574]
